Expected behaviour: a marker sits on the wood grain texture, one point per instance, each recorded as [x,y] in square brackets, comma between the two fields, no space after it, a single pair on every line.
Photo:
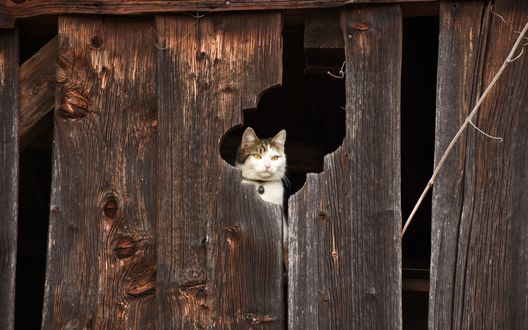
[460,35]
[37,88]
[101,250]
[220,261]
[344,241]
[480,232]
[12,10]
[8,174]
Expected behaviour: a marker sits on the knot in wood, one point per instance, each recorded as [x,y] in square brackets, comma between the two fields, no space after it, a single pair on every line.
[232,230]
[96,42]
[110,207]
[334,254]
[74,104]
[193,290]
[143,281]
[232,233]
[201,55]
[127,246]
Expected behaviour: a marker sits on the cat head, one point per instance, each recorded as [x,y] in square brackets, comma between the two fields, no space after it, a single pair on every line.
[262,159]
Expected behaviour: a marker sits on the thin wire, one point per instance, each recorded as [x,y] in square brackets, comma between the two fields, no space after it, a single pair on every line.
[486,134]
[341,72]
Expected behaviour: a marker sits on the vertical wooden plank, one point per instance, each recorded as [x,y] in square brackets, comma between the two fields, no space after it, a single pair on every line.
[345,249]
[220,249]
[460,36]
[480,234]
[101,254]
[8,173]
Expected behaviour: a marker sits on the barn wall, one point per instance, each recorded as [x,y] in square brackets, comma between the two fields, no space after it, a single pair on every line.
[150,228]
[344,236]
[101,267]
[220,246]
[480,233]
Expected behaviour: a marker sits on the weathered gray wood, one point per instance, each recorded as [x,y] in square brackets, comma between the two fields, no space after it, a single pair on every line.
[344,241]
[12,10]
[8,174]
[220,250]
[460,29]
[480,234]
[37,88]
[101,254]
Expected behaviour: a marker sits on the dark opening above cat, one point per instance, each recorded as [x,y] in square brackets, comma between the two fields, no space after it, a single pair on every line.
[263,164]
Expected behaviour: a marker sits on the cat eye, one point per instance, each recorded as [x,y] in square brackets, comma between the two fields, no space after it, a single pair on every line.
[257,156]
[274,157]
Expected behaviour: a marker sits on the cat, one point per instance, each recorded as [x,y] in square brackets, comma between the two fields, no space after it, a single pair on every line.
[263,164]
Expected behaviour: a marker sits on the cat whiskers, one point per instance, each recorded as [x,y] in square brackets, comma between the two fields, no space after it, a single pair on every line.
[283,178]
[286,181]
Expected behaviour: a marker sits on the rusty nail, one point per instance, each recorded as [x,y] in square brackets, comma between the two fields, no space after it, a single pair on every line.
[154,125]
[361,26]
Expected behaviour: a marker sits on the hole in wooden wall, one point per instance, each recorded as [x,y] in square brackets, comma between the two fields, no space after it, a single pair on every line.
[418,104]
[308,105]
[34,192]
[33,221]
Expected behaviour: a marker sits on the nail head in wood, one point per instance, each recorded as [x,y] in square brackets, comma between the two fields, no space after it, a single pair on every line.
[361,26]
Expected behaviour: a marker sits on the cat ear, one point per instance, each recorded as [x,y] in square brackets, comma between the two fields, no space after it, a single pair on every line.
[249,137]
[279,139]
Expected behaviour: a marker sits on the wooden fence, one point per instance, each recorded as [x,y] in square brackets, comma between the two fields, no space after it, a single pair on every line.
[150,228]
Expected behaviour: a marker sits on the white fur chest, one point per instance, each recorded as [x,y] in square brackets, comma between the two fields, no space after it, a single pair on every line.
[273,190]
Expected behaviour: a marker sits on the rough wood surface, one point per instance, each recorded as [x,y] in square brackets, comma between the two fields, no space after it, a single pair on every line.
[101,251]
[37,88]
[8,174]
[480,234]
[220,251]
[12,10]
[460,29]
[344,250]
